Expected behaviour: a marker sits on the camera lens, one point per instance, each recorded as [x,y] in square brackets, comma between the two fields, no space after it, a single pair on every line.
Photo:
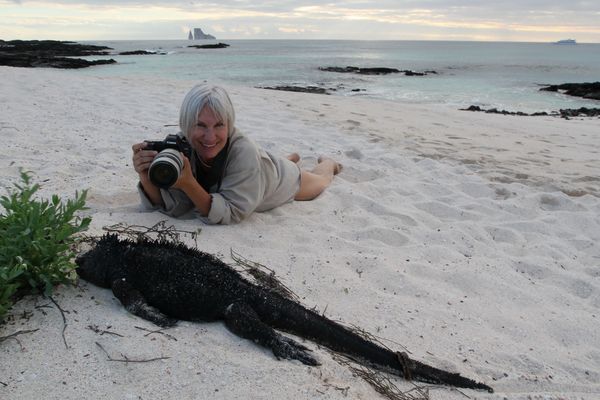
[165,168]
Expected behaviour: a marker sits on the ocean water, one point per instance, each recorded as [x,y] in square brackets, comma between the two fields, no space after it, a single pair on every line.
[499,74]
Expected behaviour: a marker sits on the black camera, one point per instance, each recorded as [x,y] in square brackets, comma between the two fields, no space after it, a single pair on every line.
[168,163]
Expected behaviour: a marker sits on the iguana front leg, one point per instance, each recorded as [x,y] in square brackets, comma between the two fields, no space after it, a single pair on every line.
[135,303]
[242,320]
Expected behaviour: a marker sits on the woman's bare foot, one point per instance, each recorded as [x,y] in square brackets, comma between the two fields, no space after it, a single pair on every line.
[337,167]
[294,157]
[314,182]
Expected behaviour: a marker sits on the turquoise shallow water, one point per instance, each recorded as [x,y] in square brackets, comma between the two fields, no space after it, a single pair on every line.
[502,75]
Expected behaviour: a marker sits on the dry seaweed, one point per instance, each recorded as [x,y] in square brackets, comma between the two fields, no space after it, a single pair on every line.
[159,231]
[14,335]
[126,359]
[381,382]
[264,276]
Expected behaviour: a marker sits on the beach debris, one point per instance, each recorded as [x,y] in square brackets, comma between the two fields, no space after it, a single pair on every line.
[15,334]
[156,331]
[264,276]
[126,359]
[159,231]
[62,313]
[163,281]
[381,382]
[96,329]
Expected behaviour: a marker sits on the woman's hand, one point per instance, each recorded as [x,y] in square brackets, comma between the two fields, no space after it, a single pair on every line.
[186,177]
[141,163]
[187,182]
[142,159]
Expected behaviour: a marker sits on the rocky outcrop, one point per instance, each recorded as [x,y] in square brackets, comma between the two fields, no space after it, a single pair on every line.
[580,112]
[200,35]
[312,89]
[137,53]
[49,54]
[588,90]
[301,89]
[210,46]
[374,71]
[564,113]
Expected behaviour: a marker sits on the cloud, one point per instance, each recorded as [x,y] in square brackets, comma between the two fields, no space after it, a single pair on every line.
[447,7]
[295,29]
[391,19]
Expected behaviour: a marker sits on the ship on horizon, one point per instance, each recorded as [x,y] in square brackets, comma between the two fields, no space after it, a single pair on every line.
[566,41]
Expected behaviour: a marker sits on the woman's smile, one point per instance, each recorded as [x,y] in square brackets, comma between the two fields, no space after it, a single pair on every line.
[209,136]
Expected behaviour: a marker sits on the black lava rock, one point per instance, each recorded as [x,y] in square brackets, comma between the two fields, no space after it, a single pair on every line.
[564,113]
[301,89]
[210,46]
[374,71]
[589,90]
[49,53]
[136,53]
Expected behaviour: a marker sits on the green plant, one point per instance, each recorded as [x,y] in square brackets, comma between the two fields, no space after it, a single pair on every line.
[36,237]
[8,286]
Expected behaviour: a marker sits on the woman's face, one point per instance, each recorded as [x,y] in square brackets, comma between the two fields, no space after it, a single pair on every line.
[209,135]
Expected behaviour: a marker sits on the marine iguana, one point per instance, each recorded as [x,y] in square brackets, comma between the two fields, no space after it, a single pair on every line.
[163,281]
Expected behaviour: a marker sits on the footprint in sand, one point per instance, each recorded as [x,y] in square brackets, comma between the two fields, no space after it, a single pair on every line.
[588,179]
[376,208]
[382,235]
[355,175]
[355,154]
[534,271]
[445,212]
[594,272]
[503,193]
[558,202]
[503,235]
[581,289]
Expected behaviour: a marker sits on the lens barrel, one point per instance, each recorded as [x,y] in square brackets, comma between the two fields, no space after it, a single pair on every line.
[166,168]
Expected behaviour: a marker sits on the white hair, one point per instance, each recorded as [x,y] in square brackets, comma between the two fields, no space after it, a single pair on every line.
[215,97]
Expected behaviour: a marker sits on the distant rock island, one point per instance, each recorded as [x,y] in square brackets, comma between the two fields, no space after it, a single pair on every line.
[199,35]
[50,54]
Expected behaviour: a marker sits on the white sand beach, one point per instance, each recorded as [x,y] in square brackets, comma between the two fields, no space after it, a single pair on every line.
[469,240]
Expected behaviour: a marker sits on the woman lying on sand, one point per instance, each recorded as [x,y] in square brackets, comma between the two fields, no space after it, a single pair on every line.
[228,176]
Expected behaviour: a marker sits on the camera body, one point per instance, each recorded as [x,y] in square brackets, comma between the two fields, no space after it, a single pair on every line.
[168,163]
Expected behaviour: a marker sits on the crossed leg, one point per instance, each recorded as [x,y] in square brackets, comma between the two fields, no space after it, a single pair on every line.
[312,183]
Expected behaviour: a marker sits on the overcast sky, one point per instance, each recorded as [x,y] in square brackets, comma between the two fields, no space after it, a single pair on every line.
[512,20]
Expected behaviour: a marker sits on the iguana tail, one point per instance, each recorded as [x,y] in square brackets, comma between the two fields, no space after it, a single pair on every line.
[289,316]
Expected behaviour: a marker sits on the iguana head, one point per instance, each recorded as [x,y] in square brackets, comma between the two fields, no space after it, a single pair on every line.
[99,264]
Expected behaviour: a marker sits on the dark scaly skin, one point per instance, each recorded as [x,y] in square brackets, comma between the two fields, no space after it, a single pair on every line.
[164,282]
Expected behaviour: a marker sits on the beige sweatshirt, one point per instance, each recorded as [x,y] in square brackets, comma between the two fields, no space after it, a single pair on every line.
[253,180]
